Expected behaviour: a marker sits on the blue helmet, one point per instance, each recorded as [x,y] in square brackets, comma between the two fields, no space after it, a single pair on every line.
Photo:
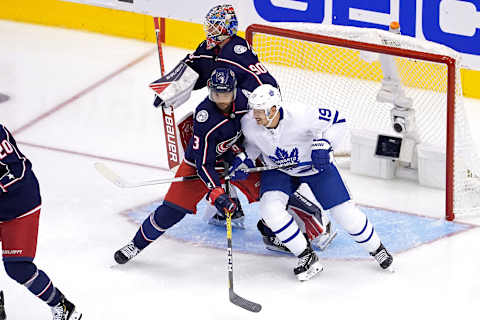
[222,80]
[220,23]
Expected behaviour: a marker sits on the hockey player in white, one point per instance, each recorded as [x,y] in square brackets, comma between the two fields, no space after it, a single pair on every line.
[291,133]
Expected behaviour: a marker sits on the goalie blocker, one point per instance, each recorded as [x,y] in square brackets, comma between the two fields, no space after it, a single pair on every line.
[174,88]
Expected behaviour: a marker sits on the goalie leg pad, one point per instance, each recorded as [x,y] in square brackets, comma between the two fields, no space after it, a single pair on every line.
[312,221]
[272,211]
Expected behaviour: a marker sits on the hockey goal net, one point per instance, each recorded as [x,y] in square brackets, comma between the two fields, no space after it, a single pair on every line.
[339,67]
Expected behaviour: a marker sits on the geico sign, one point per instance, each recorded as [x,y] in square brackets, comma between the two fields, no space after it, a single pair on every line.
[453,23]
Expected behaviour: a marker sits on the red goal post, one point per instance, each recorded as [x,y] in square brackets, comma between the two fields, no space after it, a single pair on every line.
[305,38]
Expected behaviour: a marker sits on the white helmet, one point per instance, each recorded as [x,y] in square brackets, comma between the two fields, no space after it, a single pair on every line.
[264,97]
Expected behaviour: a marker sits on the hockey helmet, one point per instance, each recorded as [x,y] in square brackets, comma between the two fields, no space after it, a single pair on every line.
[220,23]
[222,81]
[264,97]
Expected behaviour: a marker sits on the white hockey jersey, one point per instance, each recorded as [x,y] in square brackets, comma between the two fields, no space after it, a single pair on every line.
[291,140]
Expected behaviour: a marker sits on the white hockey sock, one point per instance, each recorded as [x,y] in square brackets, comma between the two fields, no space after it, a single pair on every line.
[356,223]
[272,209]
[289,233]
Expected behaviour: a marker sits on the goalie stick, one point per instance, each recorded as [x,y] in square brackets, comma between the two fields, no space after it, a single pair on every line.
[167,111]
[114,178]
[234,298]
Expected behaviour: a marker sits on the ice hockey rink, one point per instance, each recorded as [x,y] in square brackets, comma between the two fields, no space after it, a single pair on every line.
[77,98]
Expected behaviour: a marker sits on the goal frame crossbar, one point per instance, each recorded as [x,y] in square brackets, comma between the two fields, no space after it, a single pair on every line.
[383,49]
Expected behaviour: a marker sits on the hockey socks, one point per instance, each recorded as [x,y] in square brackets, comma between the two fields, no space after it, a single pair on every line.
[164,217]
[289,233]
[356,223]
[36,281]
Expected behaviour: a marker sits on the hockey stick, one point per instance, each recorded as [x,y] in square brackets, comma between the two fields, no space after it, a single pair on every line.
[113,177]
[281,166]
[235,298]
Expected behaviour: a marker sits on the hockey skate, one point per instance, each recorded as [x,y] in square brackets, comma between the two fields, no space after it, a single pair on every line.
[324,240]
[384,258]
[65,310]
[274,244]
[270,239]
[126,253]
[238,218]
[3,316]
[308,265]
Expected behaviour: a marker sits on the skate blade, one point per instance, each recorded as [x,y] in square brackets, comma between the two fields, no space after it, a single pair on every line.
[325,243]
[391,269]
[317,267]
[276,249]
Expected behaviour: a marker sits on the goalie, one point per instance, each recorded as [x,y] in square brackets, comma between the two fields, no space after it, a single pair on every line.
[223,48]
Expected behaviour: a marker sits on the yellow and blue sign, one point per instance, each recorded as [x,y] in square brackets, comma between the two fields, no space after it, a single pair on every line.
[438,21]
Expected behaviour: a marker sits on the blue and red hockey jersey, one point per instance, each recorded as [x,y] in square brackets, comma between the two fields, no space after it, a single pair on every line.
[237,55]
[214,136]
[19,189]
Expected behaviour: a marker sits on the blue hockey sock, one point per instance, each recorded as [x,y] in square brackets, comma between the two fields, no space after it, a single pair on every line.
[36,281]
[156,224]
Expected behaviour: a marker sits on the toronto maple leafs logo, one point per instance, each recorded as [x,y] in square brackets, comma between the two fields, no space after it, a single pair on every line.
[282,157]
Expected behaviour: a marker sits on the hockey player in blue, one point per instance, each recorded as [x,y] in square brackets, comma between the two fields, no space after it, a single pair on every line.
[20,204]
[216,131]
[223,48]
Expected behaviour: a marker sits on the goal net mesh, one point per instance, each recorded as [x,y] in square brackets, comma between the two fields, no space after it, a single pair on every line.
[314,72]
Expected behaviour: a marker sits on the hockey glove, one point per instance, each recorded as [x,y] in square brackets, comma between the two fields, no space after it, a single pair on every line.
[221,201]
[239,163]
[322,154]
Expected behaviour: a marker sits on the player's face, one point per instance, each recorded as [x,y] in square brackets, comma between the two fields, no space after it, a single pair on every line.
[268,121]
[260,117]
[223,100]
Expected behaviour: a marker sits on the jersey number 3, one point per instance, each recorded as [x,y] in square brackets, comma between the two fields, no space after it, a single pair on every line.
[196,143]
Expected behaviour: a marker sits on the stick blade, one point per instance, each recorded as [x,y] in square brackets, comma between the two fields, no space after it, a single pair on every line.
[110,175]
[244,303]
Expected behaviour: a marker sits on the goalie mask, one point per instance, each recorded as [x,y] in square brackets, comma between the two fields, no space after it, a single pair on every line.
[220,24]
[264,97]
[222,86]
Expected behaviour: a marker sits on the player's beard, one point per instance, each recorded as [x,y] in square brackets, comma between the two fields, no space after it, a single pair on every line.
[225,107]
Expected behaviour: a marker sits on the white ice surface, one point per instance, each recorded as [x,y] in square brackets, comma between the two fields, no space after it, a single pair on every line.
[80,228]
